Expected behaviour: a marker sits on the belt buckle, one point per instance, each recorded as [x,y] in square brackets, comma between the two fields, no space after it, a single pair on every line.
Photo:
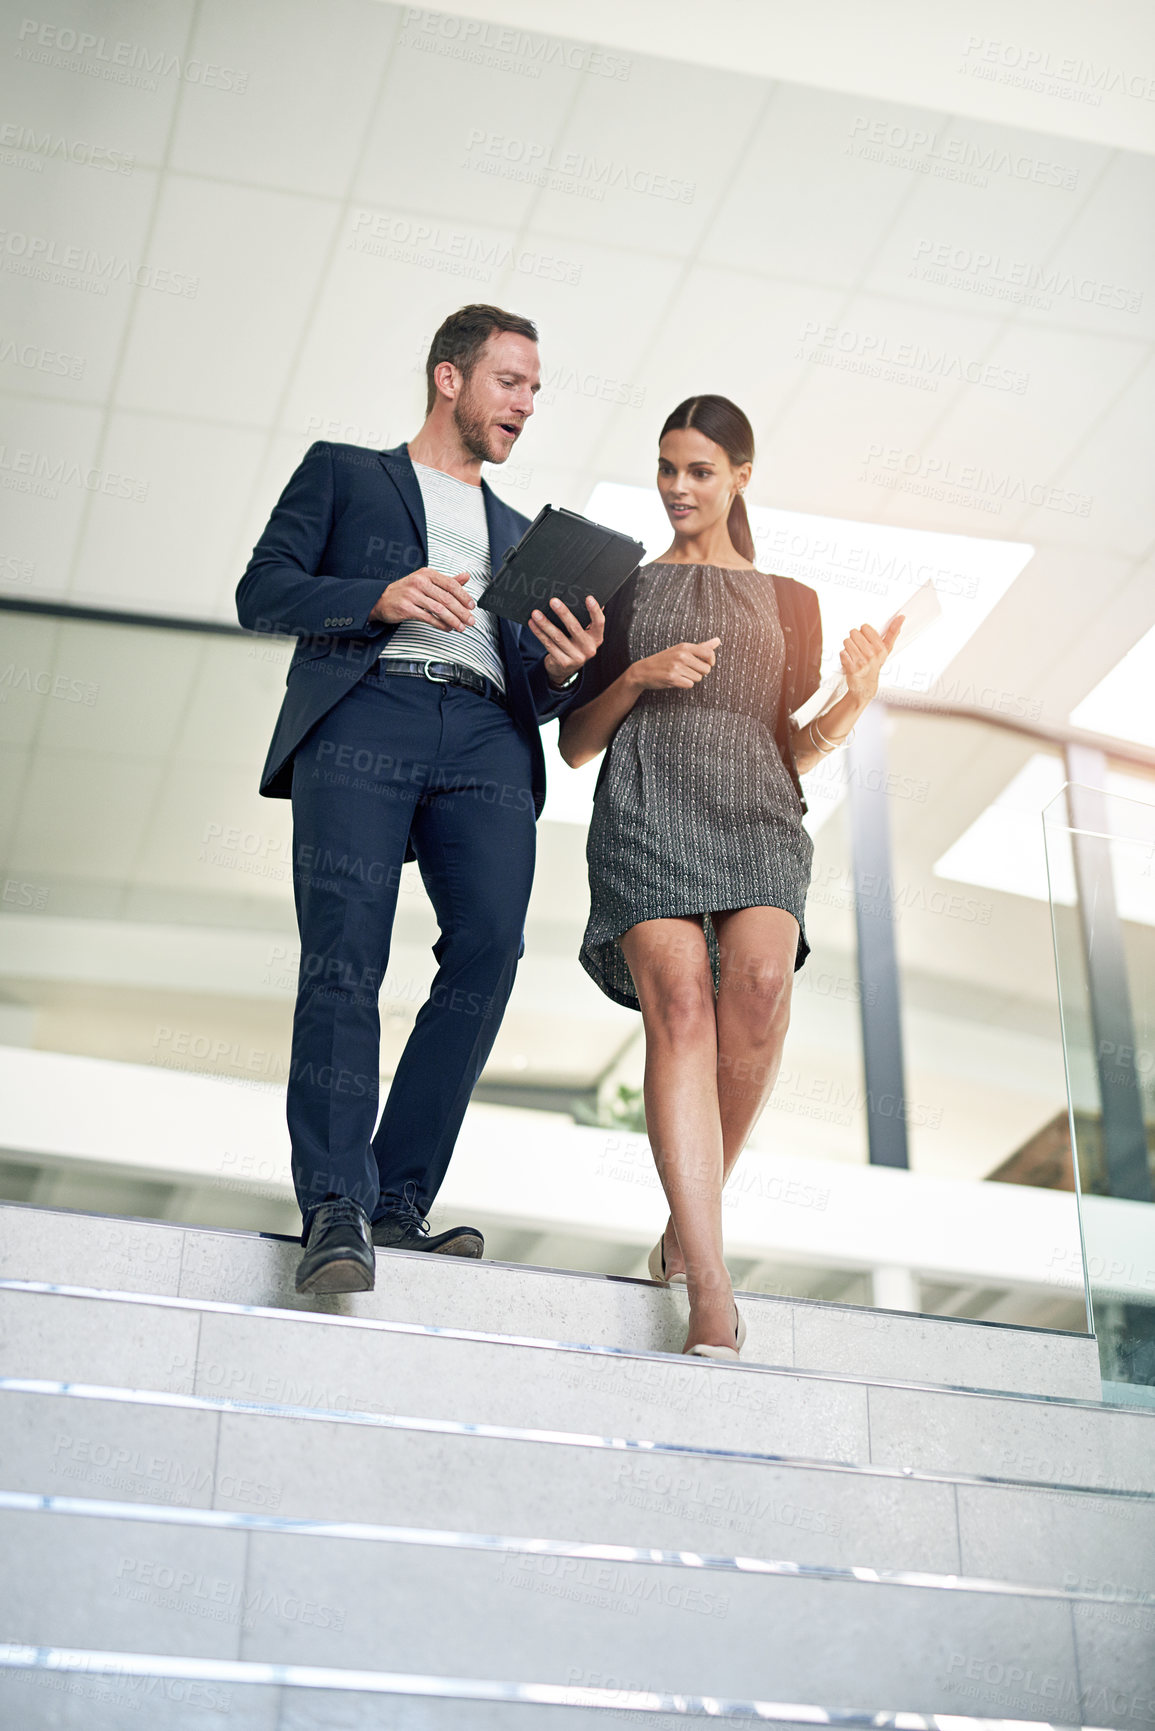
[433,678]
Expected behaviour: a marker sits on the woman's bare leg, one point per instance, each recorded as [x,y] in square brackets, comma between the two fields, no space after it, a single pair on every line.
[671,968]
[757,947]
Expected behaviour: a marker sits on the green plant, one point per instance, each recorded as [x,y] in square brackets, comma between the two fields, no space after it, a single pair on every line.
[625,1111]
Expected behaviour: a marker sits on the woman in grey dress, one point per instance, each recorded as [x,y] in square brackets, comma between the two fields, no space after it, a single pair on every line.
[698,860]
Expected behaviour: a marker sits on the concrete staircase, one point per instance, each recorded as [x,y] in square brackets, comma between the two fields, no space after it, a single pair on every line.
[489,1496]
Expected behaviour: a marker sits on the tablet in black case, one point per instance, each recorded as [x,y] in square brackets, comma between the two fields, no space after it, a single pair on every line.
[561,554]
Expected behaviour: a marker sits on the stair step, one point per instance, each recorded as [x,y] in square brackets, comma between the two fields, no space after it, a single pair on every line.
[127,1448]
[176,1585]
[239,1267]
[341,1363]
[247,1696]
[212,1471]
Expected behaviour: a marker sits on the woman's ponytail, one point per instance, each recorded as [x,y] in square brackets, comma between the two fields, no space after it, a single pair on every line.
[738,526]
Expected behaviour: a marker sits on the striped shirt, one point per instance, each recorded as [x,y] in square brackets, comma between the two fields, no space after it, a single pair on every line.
[458,540]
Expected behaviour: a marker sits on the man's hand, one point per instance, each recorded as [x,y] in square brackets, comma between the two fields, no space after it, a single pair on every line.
[678,668]
[427,595]
[573,647]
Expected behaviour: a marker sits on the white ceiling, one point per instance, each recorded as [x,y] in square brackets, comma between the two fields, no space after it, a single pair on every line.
[1047,65]
[788,248]
[371,176]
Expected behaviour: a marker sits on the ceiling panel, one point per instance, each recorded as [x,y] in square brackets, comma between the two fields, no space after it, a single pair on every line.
[1021,253]
[940,384]
[51,455]
[1008,463]
[299,120]
[858,421]
[1036,425]
[1112,468]
[280,457]
[1112,242]
[169,551]
[75,241]
[61,339]
[380,298]
[798,207]
[486,120]
[630,170]
[223,351]
[46,82]
[724,331]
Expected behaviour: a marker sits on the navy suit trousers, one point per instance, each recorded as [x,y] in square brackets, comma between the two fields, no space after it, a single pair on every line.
[401,760]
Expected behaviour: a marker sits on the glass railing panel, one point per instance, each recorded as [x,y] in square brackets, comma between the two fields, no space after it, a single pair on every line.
[1101,865]
[983,1095]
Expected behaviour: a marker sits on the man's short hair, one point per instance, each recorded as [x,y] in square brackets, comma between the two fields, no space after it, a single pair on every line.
[463,336]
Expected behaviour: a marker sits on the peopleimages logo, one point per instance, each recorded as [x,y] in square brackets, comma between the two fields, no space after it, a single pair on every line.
[74,266]
[568,170]
[45,684]
[137,1577]
[1033,68]
[991,487]
[37,472]
[25,141]
[73,50]
[382,234]
[505,48]
[900,362]
[1017,277]
[949,156]
[37,359]
[833,558]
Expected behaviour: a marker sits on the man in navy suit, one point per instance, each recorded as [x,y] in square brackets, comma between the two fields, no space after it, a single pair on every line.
[409,729]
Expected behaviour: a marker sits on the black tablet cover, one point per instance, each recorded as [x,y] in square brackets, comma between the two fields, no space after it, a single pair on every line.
[561,554]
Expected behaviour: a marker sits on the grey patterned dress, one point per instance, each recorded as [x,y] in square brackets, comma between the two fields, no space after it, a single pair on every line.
[695,811]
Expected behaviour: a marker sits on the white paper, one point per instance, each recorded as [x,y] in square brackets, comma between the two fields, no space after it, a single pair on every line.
[921,611]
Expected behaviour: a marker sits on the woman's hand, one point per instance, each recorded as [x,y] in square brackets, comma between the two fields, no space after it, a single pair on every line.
[675,669]
[862,658]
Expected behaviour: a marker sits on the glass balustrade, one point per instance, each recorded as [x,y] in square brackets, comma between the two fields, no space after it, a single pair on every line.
[146,919]
[1100,849]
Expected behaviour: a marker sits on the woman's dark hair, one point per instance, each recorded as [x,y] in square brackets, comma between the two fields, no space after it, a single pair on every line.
[463,336]
[719,419]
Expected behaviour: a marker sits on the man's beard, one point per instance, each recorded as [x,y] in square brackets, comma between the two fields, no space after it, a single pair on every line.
[474,430]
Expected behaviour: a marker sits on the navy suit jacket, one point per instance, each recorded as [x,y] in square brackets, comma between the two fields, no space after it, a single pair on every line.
[349,522]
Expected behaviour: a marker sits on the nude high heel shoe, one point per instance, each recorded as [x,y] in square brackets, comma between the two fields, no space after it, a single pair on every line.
[657,1266]
[727,1354]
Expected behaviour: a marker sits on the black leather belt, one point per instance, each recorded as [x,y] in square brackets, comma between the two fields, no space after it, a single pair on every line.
[444,673]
